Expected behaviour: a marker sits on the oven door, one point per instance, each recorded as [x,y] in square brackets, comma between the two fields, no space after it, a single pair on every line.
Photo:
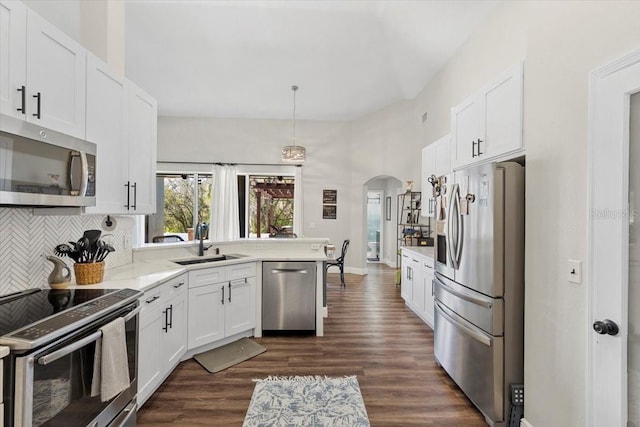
[53,384]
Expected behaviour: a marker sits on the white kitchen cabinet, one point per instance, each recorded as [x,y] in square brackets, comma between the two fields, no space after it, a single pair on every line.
[122,121]
[406,285]
[13,60]
[107,99]
[162,334]
[418,275]
[142,141]
[417,284]
[222,303]
[488,125]
[427,283]
[42,72]
[435,161]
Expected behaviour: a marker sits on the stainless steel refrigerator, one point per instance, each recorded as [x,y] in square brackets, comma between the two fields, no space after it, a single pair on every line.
[479,283]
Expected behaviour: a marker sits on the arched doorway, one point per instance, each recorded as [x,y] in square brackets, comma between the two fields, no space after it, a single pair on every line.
[379,225]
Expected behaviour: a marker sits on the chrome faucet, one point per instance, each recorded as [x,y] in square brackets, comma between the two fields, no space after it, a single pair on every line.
[201,230]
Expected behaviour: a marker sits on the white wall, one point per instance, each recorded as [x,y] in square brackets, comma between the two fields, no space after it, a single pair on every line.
[261,141]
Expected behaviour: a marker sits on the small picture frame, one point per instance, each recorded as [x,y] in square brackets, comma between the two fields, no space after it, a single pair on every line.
[387,207]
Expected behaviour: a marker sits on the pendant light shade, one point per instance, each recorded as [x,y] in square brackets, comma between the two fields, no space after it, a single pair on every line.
[294,153]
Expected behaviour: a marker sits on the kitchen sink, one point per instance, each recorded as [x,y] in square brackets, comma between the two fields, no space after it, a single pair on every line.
[203,260]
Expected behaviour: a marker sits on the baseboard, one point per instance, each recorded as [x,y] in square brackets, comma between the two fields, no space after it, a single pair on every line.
[525,423]
[389,263]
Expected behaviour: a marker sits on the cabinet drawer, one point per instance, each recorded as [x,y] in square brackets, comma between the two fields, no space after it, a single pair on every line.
[176,286]
[239,271]
[150,300]
[427,262]
[207,276]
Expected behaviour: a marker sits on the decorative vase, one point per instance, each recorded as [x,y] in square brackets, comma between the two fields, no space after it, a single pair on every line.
[89,273]
[60,276]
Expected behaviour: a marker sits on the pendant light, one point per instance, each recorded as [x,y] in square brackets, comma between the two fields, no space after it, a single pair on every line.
[294,153]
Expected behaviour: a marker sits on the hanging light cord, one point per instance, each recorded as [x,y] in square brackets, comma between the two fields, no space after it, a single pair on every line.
[294,88]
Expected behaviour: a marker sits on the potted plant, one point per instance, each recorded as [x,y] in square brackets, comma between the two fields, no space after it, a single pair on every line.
[88,254]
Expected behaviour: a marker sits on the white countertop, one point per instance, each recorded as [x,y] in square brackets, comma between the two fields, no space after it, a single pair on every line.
[145,275]
[419,250]
[3,351]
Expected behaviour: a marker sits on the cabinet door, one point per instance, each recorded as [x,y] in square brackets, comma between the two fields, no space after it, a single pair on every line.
[174,345]
[418,291]
[502,105]
[240,311]
[143,118]
[405,281]
[465,131]
[56,69]
[149,344]
[106,126]
[427,279]
[206,314]
[428,169]
[442,155]
[13,62]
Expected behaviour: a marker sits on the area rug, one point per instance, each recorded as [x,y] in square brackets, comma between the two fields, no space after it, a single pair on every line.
[228,355]
[306,402]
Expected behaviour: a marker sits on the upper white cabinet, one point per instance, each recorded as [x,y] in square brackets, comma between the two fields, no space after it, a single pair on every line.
[107,99]
[13,59]
[43,72]
[488,125]
[122,121]
[142,141]
[435,161]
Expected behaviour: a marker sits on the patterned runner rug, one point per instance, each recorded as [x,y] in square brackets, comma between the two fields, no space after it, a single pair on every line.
[306,402]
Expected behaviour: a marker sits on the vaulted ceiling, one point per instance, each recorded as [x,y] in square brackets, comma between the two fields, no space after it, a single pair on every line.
[239,58]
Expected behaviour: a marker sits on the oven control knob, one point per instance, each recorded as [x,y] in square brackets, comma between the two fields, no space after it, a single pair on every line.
[606,327]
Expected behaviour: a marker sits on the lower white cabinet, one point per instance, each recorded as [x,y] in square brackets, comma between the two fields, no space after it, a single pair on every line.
[417,288]
[162,334]
[222,303]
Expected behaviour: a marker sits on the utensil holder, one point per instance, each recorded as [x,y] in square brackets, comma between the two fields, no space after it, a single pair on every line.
[89,273]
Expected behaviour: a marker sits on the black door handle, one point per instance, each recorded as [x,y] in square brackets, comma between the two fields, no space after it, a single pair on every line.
[473,148]
[37,113]
[128,185]
[606,327]
[479,152]
[23,108]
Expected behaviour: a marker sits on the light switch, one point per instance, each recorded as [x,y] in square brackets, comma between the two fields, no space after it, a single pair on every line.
[574,269]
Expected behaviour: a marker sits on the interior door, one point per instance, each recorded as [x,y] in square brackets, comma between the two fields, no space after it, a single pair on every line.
[614,244]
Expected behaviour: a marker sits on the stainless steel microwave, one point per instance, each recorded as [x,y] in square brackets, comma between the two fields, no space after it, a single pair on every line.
[41,167]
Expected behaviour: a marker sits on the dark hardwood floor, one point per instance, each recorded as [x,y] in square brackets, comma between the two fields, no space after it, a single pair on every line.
[369,333]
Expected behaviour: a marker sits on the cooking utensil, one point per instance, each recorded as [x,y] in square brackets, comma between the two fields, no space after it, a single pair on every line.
[107,249]
[93,236]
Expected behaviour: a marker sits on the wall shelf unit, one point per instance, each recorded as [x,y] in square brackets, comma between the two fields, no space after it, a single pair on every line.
[413,229]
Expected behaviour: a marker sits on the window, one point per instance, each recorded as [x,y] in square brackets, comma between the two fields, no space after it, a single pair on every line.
[269,209]
[178,197]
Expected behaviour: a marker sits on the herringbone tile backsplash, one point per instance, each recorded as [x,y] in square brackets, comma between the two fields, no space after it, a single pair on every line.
[26,239]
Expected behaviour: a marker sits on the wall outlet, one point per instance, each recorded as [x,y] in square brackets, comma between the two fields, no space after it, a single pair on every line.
[574,271]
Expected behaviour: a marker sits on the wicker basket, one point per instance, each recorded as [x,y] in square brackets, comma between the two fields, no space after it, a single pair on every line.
[89,273]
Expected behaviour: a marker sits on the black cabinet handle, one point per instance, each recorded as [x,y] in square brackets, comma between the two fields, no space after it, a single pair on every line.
[135,195]
[480,153]
[170,310]
[473,148]
[39,98]
[23,109]
[222,294]
[166,320]
[229,291]
[128,185]
[178,285]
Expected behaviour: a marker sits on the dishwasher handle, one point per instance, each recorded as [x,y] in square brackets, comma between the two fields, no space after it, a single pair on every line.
[289,270]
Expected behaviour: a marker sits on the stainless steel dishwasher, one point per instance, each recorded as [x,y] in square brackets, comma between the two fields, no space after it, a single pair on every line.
[288,296]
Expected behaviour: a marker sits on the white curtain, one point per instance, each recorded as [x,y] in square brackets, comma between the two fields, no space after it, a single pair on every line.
[298,209]
[225,222]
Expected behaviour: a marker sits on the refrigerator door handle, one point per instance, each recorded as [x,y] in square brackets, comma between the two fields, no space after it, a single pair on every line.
[463,295]
[459,229]
[454,250]
[462,327]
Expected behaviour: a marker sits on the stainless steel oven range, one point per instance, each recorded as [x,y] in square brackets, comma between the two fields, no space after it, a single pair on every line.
[52,336]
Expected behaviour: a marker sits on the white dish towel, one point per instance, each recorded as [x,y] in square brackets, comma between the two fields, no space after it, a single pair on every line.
[110,364]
